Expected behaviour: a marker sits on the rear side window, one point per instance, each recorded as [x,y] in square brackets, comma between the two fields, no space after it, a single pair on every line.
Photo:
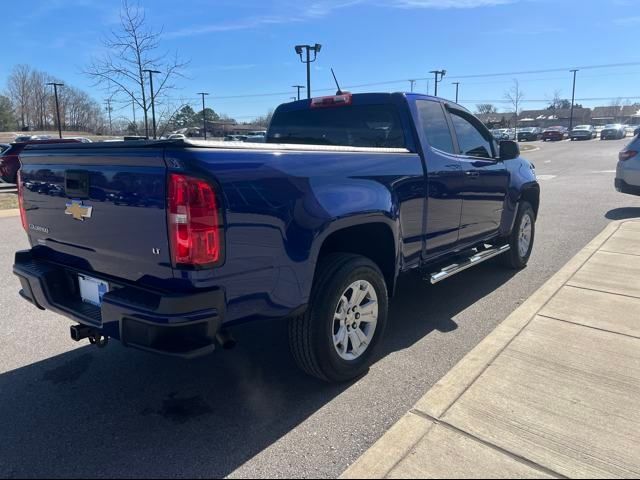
[435,126]
[471,140]
[353,126]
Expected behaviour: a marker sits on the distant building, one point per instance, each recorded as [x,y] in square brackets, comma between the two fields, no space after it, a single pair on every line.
[550,118]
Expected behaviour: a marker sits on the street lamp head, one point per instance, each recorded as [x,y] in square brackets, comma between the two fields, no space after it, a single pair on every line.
[299,49]
[317,47]
[443,73]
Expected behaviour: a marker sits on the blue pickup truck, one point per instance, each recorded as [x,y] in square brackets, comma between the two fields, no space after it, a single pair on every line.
[164,245]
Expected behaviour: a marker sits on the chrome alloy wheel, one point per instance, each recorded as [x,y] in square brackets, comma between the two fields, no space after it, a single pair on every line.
[355,320]
[524,236]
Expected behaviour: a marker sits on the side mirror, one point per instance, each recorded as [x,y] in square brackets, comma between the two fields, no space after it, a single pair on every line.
[509,150]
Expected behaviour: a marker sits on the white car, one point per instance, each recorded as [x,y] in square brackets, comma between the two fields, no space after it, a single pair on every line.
[628,171]
[177,136]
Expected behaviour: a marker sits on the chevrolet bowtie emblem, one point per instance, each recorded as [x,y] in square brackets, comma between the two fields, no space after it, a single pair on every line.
[78,210]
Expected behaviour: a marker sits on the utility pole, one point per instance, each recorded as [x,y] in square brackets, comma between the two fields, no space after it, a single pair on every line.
[55,92]
[107,102]
[457,84]
[412,82]
[293,99]
[204,117]
[573,98]
[299,87]
[153,100]
[309,48]
[441,73]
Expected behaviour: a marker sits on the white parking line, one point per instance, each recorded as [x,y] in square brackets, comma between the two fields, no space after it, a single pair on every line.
[603,171]
[546,177]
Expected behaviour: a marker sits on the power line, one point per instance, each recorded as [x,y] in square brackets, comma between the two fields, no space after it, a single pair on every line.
[454,77]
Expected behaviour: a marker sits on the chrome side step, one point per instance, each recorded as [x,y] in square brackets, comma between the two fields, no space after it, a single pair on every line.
[476,259]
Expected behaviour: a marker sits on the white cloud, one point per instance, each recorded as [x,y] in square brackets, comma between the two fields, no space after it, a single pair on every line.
[447,4]
[323,8]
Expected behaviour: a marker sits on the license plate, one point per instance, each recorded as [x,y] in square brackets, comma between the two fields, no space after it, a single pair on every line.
[92,290]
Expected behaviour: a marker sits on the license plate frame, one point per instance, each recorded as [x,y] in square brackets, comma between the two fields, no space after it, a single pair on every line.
[92,289]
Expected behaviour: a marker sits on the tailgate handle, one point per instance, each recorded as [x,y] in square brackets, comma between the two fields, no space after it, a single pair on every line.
[76,184]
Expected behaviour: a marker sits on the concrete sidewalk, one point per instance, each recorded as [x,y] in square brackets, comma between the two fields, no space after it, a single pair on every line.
[553,392]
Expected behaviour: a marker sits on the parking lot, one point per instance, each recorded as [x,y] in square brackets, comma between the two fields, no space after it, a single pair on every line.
[78,411]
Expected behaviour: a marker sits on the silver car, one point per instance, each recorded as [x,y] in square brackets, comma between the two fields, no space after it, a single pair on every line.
[628,171]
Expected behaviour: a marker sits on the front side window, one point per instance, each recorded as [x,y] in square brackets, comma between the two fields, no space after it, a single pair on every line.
[435,126]
[471,140]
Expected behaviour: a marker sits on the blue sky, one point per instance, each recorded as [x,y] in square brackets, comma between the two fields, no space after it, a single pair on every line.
[246,47]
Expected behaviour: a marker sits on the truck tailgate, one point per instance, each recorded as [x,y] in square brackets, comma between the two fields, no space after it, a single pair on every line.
[99,209]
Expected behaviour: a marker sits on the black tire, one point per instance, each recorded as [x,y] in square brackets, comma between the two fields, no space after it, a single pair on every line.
[513,258]
[311,334]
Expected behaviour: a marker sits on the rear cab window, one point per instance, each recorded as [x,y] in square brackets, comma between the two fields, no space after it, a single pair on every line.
[434,125]
[372,126]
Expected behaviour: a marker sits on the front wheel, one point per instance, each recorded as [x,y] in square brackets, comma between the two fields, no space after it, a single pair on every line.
[521,238]
[336,338]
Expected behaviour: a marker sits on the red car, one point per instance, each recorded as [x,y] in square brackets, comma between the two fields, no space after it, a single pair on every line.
[555,133]
[10,163]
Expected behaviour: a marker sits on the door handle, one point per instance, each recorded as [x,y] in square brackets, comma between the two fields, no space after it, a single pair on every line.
[472,174]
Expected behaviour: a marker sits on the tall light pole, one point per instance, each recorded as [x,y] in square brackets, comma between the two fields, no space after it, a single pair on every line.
[204,116]
[457,84]
[55,92]
[437,73]
[309,48]
[107,102]
[573,98]
[412,82]
[153,100]
[298,87]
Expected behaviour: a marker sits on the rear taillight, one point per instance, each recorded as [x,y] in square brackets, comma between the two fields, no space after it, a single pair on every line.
[626,155]
[332,101]
[23,214]
[194,226]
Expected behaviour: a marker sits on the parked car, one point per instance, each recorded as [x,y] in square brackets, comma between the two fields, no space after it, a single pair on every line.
[10,163]
[628,171]
[501,134]
[636,132]
[255,139]
[529,134]
[555,134]
[630,129]
[365,187]
[613,131]
[235,138]
[599,129]
[177,136]
[28,138]
[583,132]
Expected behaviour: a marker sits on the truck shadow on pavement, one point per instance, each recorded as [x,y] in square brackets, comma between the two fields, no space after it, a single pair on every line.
[623,213]
[123,413]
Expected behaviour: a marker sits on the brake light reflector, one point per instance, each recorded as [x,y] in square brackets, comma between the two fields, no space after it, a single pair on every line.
[23,213]
[626,155]
[332,101]
[194,229]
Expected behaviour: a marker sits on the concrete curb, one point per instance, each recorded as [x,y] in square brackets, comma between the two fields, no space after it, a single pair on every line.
[14,212]
[385,454]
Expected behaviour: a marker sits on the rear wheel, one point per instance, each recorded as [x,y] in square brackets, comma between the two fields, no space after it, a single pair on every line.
[336,338]
[521,238]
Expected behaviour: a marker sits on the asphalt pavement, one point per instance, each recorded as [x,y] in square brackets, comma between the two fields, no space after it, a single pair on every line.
[70,410]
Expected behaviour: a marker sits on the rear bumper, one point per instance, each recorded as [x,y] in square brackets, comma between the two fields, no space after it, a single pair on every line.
[177,324]
[624,187]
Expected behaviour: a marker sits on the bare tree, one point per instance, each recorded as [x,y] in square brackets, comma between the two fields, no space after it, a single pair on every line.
[20,92]
[486,108]
[515,96]
[132,49]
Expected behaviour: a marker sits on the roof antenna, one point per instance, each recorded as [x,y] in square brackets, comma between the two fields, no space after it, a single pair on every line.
[339,92]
